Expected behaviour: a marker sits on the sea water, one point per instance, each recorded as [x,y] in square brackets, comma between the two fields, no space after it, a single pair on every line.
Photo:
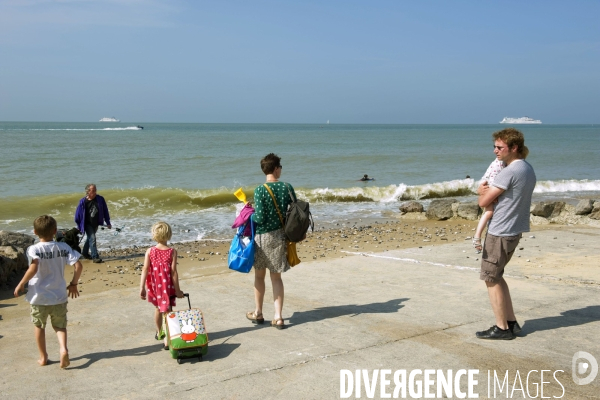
[186,174]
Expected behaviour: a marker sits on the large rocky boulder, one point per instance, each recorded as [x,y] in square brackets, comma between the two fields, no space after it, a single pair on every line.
[13,264]
[534,220]
[547,209]
[18,240]
[541,210]
[559,206]
[566,216]
[410,207]
[470,211]
[440,209]
[595,214]
[13,260]
[584,207]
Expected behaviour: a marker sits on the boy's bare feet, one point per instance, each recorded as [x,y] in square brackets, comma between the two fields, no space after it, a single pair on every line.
[64,360]
[43,361]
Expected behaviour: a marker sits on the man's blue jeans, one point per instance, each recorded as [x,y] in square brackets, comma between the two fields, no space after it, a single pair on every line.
[90,241]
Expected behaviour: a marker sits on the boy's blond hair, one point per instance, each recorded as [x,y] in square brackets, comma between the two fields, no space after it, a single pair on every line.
[44,226]
[161,232]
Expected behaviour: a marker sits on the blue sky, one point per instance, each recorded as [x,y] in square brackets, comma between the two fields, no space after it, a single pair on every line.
[299,61]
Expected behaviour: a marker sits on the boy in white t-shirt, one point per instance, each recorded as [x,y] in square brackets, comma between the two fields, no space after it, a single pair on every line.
[47,294]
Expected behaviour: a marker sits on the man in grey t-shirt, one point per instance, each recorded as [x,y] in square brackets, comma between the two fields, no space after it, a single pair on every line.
[512,189]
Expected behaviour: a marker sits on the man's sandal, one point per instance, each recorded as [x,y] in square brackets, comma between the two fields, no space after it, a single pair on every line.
[276,325]
[255,318]
[477,244]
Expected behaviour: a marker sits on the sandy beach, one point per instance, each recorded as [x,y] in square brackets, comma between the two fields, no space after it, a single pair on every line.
[122,268]
[209,257]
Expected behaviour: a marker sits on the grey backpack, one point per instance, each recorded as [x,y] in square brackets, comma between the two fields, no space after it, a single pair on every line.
[297,219]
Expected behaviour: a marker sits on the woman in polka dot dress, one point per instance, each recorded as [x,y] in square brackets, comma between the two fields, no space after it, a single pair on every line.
[271,245]
[159,281]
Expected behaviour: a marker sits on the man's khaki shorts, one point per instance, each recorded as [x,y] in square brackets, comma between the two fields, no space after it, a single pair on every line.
[57,313]
[497,252]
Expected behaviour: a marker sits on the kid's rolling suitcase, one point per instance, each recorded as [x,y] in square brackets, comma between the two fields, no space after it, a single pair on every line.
[186,334]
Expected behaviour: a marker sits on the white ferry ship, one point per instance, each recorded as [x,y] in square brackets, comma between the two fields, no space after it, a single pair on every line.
[109,119]
[522,120]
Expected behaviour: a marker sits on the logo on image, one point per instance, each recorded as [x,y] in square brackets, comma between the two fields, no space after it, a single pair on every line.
[581,368]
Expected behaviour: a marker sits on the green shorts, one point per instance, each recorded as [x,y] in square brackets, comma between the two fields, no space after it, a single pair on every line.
[57,313]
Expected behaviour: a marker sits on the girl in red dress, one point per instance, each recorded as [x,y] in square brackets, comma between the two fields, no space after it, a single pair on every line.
[159,281]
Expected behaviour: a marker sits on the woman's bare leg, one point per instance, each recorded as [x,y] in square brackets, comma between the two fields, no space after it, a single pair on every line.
[277,295]
[259,290]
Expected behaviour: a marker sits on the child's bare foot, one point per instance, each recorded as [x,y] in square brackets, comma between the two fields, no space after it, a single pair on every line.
[43,361]
[64,360]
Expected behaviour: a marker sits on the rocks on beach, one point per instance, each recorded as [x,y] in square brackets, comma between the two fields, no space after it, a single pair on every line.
[411,207]
[587,211]
[13,259]
[595,214]
[18,240]
[440,209]
[584,207]
[470,211]
[547,209]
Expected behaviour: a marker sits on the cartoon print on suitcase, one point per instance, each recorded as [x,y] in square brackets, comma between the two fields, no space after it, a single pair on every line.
[186,334]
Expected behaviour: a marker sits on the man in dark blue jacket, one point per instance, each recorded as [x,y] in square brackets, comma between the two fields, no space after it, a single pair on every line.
[91,213]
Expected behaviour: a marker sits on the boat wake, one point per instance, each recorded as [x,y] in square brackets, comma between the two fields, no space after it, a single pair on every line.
[128,128]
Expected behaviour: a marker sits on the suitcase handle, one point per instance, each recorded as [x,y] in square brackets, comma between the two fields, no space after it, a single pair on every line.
[184,295]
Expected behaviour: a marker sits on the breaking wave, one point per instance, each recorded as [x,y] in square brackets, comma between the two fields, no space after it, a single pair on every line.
[567,186]
[152,201]
[209,213]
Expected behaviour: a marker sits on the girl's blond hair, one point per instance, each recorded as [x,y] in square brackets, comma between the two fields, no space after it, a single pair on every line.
[161,232]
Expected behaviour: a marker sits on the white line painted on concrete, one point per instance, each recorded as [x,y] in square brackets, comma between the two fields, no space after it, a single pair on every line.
[411,260]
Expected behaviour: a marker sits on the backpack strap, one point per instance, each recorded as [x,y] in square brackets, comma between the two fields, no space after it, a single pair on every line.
[275,202]
[290,192]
